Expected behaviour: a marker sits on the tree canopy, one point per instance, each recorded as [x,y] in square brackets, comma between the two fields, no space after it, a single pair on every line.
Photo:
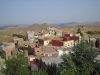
[79,31]
[81,62]
[16,66]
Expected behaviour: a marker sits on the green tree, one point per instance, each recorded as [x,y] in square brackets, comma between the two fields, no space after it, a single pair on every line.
[79,31]
[40,72]
[68,65]
[16,66]
[81,62]
[52,69]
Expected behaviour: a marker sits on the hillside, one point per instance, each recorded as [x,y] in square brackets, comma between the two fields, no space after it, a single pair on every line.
[84,28]
[37,27]
[6,34]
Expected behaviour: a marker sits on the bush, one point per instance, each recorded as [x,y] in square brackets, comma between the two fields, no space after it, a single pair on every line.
[18,35]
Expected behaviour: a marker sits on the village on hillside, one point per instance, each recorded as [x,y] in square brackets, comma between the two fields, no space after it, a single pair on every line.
[44,47]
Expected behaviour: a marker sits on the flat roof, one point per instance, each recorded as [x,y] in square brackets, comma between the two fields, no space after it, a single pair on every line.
[92,38]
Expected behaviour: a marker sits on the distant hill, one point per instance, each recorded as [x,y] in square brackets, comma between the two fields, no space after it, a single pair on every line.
[66,24]
[38,27]
[95,24]
[34,27]
[7,26]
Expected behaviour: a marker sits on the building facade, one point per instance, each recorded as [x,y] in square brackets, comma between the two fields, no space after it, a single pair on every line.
[50,52]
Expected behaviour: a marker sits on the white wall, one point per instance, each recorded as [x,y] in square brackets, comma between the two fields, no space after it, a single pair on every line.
[61,52]
[46,35]
[46,42]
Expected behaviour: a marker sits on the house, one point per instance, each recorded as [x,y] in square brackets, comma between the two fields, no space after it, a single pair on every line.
[43,42]
[29,35]
[57,43]
[18,42]
[78,34]
[67,35]
[76,39]
[62,51]
[51,31]
[68,41]
[35,50]
[38,51]
[32,63]
[33,66]
[68,44]
[65,43]
[31,49]
[50,52]
[38,35]
[6,49]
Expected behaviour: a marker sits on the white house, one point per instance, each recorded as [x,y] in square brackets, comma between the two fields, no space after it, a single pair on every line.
[62,51]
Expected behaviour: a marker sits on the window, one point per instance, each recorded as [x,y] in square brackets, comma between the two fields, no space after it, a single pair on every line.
[41,54]
[37,51]
[49,54]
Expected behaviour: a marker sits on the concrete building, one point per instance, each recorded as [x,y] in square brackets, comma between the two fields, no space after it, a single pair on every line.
[30,35]
[51,31]
[67,41]
[6,49]
[35,50]
[18,42]
[64,44]
[43,42]
[50,52]
[38,51]
[68,44]
[38,35]
[32,63]
[57,43]
[31,49]
[62,51]
[92,42]
[78,34]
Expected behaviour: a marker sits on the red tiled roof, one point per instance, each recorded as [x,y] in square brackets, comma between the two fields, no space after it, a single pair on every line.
[66,39]
[67,35]
[74,38]
[49,50]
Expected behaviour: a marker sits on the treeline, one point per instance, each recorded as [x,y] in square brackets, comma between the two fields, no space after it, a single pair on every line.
[18,35]
[93,32]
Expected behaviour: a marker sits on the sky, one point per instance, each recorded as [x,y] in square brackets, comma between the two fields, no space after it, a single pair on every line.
[16,12]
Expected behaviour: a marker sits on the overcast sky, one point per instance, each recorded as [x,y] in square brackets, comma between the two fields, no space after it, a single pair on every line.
[15,12]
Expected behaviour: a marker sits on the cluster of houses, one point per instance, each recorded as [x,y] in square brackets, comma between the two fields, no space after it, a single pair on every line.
[38,47]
